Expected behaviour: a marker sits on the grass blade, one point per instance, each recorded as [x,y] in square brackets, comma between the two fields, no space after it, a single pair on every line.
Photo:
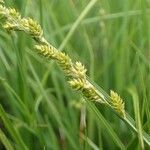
[77,22]
[12,131]
[134,94]
[5,141]
[106,125]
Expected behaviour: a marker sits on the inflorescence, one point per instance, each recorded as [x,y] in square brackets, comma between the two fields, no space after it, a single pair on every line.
[76,72]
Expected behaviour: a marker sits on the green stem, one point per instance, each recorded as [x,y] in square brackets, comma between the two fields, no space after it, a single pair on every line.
[77,22]
[128,119]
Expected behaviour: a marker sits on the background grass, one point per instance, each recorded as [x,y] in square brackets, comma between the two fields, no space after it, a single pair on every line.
[39,110]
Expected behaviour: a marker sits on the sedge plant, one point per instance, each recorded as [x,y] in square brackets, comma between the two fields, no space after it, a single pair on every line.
[74,71]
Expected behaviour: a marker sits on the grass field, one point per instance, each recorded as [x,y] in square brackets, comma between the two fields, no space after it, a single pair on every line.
[39,110]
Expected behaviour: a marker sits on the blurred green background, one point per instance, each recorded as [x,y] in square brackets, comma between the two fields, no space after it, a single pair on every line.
[41,110]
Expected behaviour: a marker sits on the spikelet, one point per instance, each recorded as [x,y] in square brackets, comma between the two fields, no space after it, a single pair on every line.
[1,1]
[32,27]
[90,92]
[87,89]
[78,70]
[28,25]
[13,14]
[13,19]
[2,10]
[50,52]
[65,62]
[117,103]
[77,84]
[46,51]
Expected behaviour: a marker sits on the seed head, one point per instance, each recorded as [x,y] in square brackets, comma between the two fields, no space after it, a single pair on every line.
[117,103]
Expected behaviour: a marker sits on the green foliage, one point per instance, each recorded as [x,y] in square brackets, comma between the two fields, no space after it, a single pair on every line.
[111,38]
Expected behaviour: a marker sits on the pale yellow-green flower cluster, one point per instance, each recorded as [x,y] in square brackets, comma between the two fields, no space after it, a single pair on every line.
[62,59]
[1,1]
[14,21]
[117,103]
[76,72]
